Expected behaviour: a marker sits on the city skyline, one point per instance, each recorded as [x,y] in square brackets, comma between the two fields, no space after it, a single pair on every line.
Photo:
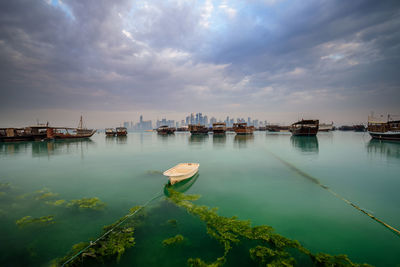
[273,60]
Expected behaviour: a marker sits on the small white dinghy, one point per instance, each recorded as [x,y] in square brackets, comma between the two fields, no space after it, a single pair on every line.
[181,172]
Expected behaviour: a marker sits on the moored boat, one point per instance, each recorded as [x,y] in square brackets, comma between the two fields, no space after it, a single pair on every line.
[181,172]
[165,129]
[121,131]
[197,129]
[242,128]
[277,128]
[389,130]
[110,132]
[70,133]
[219,128]
[31,133]
[325,127]
[305,128]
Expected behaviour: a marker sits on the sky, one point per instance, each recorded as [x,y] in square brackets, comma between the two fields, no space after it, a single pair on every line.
[275,60]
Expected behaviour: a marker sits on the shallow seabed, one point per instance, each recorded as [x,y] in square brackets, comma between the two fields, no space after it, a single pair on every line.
[245,176]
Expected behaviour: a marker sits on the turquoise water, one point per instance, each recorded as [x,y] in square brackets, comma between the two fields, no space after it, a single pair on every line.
[248,177]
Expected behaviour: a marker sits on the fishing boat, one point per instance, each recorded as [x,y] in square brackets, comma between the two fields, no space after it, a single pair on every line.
[181,172]
[121,131]
[219,128]
[70,133]
[30,133]
[277,128]
[110,132]
[325,127]
[389,130]
[197,129]
[165,129]
[305,128]
[242,128]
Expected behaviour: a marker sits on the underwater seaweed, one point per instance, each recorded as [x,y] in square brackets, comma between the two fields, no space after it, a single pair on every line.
[93,203]
[58,202]
[273,250]
[172,241]
[172,222]
[112,245]
[4,186]
[29,220]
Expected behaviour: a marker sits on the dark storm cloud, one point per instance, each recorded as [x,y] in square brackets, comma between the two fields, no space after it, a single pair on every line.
[209,55]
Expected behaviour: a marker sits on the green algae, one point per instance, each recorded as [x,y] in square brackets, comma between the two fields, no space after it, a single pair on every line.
[29,220]
[172,222]
[93,203]
[118,237]
[58,202]
[4,187]
[44,193]
[273,249]
[2,194]
[173,241]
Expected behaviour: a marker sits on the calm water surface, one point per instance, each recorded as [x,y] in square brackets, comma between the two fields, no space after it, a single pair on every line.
[249,177]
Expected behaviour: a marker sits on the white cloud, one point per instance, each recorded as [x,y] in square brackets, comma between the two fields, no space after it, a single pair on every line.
[206,13]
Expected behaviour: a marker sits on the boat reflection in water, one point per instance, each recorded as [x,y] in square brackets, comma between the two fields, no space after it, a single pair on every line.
[198,138]
[389,149]
[242,140]
[182,186]
[219,140]
[165,137]
[14,148]
[58,147]
[122,139]
[305,144]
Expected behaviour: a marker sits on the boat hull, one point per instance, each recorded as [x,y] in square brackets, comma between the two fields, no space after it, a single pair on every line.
[181,172]
[305,131]
[391,136]
[177,179]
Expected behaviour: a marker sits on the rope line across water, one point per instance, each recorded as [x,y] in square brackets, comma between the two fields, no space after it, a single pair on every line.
[109,231]
[316,181]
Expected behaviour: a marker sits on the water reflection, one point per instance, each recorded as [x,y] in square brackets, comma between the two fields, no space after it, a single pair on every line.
[165,137]
[110,139]
[242,140]
[390,149]
[306,144]
[51,148]
[198,139]
[14,148]
[182,186]
[122,140]
[219,140]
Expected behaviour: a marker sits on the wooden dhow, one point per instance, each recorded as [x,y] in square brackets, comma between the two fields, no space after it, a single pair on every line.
[197,129]
[110,132]
[165,129]
[121,131]
[305,128]
[219,128]
[389,130]
[70,133]
[242,128]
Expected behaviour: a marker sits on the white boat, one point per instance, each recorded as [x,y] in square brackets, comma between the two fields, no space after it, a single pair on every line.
[181,172]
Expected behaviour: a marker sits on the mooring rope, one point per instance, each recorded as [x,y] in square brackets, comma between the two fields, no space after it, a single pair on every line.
[109,231]
[316,181]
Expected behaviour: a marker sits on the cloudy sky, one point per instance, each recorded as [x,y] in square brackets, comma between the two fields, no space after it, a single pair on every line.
[275,60]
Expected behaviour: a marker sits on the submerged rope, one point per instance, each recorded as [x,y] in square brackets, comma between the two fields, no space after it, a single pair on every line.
[109,231]
[316,181]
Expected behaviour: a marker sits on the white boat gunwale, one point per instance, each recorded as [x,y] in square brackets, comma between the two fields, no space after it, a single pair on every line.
[181,172]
